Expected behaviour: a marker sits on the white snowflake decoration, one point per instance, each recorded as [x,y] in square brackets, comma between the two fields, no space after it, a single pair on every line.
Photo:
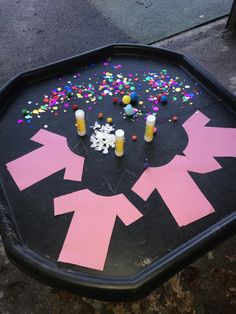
[102,138]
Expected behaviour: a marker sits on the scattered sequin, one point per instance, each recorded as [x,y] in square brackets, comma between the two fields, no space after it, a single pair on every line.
[113,84]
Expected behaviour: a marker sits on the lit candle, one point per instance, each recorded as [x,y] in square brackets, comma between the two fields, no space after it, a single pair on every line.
[150,122]
[80,122]
[119,143]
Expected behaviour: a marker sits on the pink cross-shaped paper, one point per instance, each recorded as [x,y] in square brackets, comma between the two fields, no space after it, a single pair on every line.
[181,194]
[89,234]
[207,142]
[52,157]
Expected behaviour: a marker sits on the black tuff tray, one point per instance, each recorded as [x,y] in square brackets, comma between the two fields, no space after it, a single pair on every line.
[153,248]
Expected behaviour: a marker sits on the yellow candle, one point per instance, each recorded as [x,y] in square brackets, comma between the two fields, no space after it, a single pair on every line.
[119,143]
[149,131]
[80,122]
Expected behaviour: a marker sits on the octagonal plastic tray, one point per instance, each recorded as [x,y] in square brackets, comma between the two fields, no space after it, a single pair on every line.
[152,248]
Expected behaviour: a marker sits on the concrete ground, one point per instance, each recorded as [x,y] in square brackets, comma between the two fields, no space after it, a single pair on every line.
[212,47]
[34,33]
[207,286]
[148,20]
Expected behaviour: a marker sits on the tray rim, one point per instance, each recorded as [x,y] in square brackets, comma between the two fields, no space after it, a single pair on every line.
[108,287]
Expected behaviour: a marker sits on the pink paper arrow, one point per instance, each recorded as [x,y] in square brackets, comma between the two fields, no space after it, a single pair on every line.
[205,143]
[52,157]
[87,241]
[180,193]
[182,196]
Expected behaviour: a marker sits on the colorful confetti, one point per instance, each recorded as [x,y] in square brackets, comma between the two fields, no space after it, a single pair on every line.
[149,86]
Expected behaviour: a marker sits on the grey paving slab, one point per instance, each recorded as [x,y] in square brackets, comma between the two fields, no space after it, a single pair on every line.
[149,20]
[35,33]
[212,47]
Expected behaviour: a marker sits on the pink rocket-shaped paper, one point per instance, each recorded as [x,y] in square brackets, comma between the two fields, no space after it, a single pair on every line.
[206,142]
[52,157]
[88,237]
[182,196]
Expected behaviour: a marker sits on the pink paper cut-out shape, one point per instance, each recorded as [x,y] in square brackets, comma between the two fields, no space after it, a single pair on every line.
[205,143]
[87,241]
[39,164]
[182,196]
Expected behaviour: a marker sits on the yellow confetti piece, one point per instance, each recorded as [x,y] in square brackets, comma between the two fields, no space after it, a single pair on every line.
[79,95]
[35,111]
[93,99]
[59,89]
[178,89]
[55,108]
[41,110]
[87,101]
[141,102]
[147,90]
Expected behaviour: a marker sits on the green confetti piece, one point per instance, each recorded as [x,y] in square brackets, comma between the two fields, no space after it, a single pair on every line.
[25,112]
